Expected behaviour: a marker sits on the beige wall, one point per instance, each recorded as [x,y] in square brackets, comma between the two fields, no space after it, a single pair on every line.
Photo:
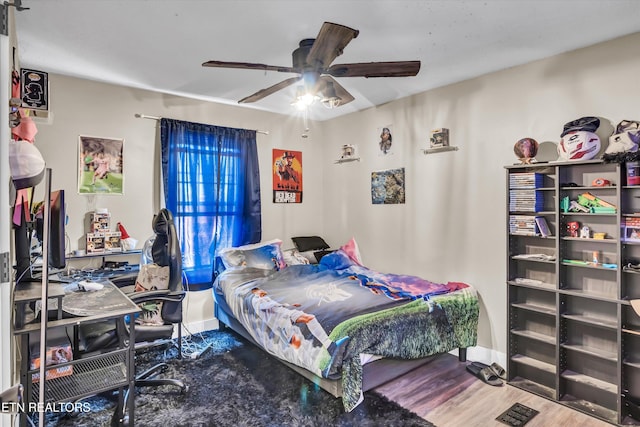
[82,107]
[452,227]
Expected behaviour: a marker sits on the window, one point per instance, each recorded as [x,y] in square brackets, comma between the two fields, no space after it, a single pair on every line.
[212,187]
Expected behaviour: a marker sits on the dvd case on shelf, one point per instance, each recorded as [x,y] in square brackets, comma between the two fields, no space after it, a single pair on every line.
[523,224]
[525,201]
[543,226]
[526,180]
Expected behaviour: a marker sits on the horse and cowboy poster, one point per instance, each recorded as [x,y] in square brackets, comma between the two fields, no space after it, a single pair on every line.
[287,176]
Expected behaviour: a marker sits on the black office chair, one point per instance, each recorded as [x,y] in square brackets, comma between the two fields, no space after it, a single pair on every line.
[165,251]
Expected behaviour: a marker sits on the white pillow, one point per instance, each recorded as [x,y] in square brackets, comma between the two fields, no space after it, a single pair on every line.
[293,257]
[265,255]
[310,256]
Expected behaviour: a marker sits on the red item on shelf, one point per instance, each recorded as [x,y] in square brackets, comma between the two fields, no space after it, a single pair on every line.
[124,234]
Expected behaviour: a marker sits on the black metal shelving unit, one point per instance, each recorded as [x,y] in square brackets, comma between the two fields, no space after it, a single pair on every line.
[573,335]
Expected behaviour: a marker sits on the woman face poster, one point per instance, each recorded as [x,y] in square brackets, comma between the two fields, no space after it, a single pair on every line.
[100,165]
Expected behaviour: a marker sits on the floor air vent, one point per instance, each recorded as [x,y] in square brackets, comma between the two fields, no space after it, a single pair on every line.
[517,415]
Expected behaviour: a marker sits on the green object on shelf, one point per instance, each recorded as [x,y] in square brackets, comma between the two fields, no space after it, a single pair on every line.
[564,204]
[575,261]
[584,201]
[601,209]
[596,204]
[579,262]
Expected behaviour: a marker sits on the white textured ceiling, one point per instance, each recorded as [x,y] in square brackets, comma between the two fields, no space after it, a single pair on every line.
[160,45]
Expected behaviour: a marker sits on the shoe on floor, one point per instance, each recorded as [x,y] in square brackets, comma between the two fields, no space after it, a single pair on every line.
[485,373]
[499,370]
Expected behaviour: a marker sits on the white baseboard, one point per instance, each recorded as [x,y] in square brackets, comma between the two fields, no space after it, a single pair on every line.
[199,326]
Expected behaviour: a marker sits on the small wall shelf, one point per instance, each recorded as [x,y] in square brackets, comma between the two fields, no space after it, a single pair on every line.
[40,116]
[348,160]
[439,149]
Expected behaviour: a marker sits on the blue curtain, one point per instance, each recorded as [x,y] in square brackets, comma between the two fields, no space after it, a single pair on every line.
[212,187]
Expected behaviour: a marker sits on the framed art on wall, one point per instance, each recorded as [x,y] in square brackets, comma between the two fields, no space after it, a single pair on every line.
[386,140]
[100,165]
[387,187]
[287,176]
[34,89]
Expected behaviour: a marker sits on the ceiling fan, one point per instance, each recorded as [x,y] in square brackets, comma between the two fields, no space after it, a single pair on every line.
[312,62]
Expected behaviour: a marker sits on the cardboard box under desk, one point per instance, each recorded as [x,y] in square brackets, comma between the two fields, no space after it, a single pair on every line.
[58,351]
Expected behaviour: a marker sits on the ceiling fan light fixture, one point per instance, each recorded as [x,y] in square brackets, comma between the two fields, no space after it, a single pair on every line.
[313,60]
[332,102]
[303,99]
[331,99]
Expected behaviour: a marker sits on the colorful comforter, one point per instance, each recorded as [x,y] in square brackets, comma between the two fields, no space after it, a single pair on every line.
[323,317]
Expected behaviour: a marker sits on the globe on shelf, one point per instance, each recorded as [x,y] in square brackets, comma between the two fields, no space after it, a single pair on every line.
[526,150]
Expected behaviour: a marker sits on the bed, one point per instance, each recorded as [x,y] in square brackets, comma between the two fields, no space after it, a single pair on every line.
[344,326]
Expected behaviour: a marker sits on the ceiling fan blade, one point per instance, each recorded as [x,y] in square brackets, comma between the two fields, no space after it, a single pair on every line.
[268,91]
[331,41]
[247,66]
[375,69]
[325,81]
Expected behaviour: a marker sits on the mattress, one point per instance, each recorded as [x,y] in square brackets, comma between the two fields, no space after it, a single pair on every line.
[324,318]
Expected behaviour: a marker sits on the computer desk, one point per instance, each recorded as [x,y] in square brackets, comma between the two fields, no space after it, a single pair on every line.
[93,374]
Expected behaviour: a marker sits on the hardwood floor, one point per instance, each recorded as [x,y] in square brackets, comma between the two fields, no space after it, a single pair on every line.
[444,393]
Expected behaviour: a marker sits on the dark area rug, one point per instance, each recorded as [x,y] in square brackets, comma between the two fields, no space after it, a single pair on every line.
[236,384]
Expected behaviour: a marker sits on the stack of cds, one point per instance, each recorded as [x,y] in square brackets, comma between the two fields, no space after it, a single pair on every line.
[523,224]
[526,180]
[525,201]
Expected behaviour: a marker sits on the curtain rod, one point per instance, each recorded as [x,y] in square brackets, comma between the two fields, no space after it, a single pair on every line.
[144,116]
